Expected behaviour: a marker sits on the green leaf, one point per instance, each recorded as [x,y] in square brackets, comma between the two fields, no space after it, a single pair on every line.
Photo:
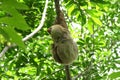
[81,42]
[94,13]
[75,12]
[117,61]
[15,19]
[114,75]
[83,19]
[87,39]
[70,10]
[90,26]
[96,20]
[17,5]
[13,36]
[2,39]
[4,34]
[69,4]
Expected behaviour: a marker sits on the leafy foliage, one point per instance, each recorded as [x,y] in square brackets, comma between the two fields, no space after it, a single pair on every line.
[11,20]
[96,28]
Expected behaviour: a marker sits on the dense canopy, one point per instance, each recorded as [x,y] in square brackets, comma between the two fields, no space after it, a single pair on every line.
[94,25]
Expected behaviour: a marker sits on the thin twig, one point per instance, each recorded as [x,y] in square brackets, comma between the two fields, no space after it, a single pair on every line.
[31,34]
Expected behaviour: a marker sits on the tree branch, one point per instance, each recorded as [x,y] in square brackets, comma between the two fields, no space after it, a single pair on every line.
[31,34]
[67,70]
[60,16]
[61,21]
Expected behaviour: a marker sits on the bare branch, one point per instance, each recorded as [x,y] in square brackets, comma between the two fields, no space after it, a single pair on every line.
[4,50]
[67,71]
[31,34]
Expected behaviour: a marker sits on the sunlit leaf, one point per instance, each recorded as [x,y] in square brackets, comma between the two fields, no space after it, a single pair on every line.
[114,75]
[90,26]
[70,10]
[97,21]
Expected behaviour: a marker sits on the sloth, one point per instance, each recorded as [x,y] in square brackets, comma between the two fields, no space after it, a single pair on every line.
[64,49]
